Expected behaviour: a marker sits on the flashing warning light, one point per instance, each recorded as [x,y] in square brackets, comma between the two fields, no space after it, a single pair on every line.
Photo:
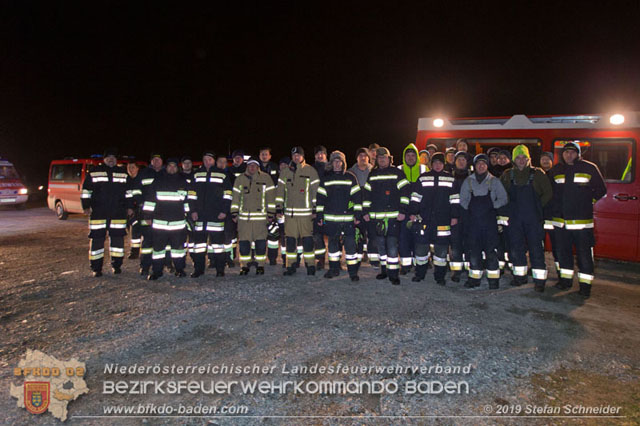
[438,122]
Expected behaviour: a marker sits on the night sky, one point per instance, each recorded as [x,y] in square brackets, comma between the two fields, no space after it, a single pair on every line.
[76,77]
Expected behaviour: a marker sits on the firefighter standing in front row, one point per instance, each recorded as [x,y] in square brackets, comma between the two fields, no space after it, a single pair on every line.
[107,199]
[295,200]
[252,208]
[385,202]
[577,186]
[169,207]
[431,212]
[339,210]
[141,193]
[529,192]
[412,170]
[459,255]
[209,205]
[134,223]
[481,195]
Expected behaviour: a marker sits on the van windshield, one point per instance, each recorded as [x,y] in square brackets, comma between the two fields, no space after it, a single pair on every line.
[8,172]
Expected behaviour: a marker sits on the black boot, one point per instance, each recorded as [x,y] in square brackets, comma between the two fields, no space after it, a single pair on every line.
[494,283]
[154,276]
[394,280]
[416,278]
[311,270]
[331,273]
[518,280]
[472,282]
[320,264]
[244,271]
[354,278]
[135,253]
[197,273]
[180,274]
[96,274]
[539,285]
[564,284]
[144,272]
[440,281]
[116,270]
[260,270]
[220,273]
[585,290]
[290,271]
[404,270]
[455,276]
[383,273]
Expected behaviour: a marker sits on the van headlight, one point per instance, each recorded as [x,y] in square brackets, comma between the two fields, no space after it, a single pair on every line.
[23,191]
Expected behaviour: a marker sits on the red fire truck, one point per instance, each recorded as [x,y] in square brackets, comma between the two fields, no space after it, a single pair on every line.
[608,140]
[65,183]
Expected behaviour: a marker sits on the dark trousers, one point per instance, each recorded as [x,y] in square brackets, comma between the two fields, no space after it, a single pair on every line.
[244,247]
[163,238]
[146,251]
[527,236]
[320,250]
[136,233]
[342,235]
[483,237]
[211,242]
[292,251]
[406,244]
[439,259]
[96,250]
[583,240]
[230,240]
[387,246]
[458,256]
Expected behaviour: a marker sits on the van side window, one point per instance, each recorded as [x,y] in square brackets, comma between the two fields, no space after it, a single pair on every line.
[66,172]
[614,157]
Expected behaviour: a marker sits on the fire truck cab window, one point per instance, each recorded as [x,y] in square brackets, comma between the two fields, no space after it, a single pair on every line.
[614,157]
[67,172]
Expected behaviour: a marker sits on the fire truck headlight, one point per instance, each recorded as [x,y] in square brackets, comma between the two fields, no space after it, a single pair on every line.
[23,191]
[438,122]
[616,119]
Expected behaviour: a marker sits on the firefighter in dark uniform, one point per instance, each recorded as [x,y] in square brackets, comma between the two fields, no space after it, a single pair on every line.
[546,163]
[253,207]
[481,195]
[295,201]
[450,159]
[364,243]
[412,170]
[209,207]
[339,210]
[385,203]
[529,192]
[577,186]
[187,171]
[141,193]
[133,223]
[459,259]
[431,212]
[319,247]
[169,208]
[106,197]
[273,237]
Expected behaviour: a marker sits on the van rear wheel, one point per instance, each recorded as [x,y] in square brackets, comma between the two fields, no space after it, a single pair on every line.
[60,211]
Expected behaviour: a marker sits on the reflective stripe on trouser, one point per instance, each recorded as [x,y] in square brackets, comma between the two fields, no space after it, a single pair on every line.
[406,244]
[244,248]
[319,247]
[136,233]
[146,249]
[503,248]
[583,241]
[523,237]
[175,240]
[388,251]
[292,251]
[335,250]
[439,260]
[96,251]
[211,242]
[482,241]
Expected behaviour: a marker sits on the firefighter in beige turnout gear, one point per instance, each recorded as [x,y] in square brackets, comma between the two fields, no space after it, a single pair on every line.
[252,208]
[296,199]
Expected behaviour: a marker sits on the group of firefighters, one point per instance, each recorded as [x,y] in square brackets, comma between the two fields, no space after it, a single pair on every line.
[448,210]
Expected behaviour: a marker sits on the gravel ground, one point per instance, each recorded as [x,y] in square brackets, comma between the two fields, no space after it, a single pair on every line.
[523,348]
